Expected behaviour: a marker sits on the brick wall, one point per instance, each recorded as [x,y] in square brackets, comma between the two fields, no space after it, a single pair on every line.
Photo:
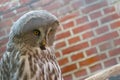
[88,39]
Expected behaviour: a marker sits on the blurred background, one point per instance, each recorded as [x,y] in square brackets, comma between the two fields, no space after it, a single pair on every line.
[88,39]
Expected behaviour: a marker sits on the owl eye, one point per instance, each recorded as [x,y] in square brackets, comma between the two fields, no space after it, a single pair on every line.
[36,32]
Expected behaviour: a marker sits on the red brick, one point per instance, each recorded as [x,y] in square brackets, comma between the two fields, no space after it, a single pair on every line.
[102,30]
[77,4]
[9,14]
[3,41]
[115,24]
[65,10]
[89,61]
[68,25]
[8,22]
[8,30]
[117,42]
[68,77]
[5,23]
[91,51]
[95,67]
[1,56]
[60,45]
[54,5]
[75,48]
[103,56]
[110,18]
[105,46]
[82,20]
[69,68]
[94,7]
[38,4]
[90,1]
[63,35]
[77,56]
[3,1]
[81,73]
[69,16]
[85,27]
[114,52]
[63,61]
[16,17]
[2,49]
[88,35]
[4,8]
[57,54]
[24,1]
[109,10]
[45,2]
[104,38]
[110,62]
[13,5]
[2,33]
[22,9]
[2,24]
[67,1]
[59,29]
[95,15]
[74,40]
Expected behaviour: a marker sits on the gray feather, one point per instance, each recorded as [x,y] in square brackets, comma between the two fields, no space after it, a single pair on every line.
[39,18]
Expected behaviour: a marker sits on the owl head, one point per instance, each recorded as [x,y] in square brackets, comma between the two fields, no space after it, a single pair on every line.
[35,29]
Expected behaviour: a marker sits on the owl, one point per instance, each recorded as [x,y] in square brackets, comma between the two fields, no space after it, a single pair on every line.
[30,53]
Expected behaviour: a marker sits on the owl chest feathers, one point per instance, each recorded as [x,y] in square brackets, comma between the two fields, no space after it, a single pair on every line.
[35,64]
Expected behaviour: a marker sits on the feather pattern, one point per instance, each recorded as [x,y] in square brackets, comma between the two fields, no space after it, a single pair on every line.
[30,64]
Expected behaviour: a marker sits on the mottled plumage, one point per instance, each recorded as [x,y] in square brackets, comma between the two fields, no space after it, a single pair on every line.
[30,53]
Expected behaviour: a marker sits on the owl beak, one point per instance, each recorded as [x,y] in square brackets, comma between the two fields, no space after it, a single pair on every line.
[43,44]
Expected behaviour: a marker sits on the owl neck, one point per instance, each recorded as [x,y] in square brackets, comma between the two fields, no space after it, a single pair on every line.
[49,51]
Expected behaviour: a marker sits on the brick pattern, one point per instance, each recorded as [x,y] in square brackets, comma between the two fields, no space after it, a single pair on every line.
[88,39]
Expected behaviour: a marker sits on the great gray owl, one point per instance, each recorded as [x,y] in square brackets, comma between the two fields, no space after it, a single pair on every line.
[30,53]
